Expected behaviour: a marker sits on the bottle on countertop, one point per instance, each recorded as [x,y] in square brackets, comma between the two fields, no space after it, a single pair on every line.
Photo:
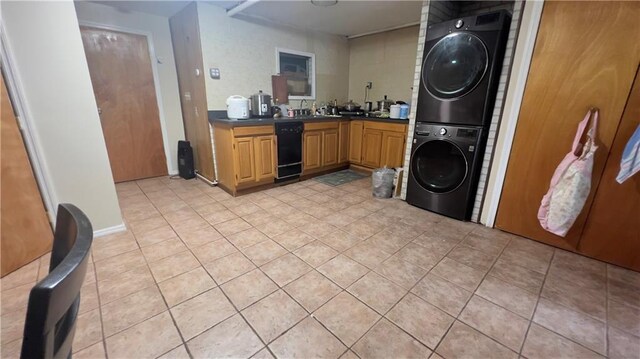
[314,109]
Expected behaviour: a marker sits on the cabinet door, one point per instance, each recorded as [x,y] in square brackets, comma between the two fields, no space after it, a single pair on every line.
[244,158]
[371,148]
[265,157]
[602,77]
[392,149]
[343,145]
[611,232]
[329,147]
[312,150]
[355,141]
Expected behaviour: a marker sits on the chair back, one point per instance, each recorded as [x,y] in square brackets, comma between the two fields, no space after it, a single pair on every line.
[54,301]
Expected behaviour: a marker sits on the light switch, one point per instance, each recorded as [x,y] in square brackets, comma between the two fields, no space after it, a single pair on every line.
[214,72]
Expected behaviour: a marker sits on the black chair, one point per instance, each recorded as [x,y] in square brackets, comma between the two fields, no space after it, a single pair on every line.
[54,301]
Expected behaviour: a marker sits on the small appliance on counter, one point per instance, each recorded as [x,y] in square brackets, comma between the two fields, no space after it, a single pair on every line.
[238,108]
[395,111]
[385,105]
[261,104]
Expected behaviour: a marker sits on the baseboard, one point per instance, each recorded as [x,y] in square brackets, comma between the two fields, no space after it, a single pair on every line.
[109,230]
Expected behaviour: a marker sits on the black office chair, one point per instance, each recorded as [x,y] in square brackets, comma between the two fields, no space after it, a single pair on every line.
[55,300]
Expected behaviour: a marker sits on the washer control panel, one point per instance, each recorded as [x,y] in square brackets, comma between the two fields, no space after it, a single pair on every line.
[456,133]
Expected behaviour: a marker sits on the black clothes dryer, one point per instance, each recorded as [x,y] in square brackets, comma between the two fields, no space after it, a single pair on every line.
[445,165]
[461,68]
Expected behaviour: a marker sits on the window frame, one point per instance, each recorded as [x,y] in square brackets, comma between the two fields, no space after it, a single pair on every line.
[312,70]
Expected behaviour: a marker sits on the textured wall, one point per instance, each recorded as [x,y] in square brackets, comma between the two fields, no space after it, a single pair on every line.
[245,52]
[387,59]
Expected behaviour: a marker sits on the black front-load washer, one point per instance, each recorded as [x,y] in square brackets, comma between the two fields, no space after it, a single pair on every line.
[444,168]
[461,68]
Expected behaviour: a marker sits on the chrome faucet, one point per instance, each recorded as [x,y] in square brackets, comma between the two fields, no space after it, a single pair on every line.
[303,100]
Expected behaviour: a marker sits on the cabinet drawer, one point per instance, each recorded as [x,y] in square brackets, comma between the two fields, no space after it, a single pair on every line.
[325,125]
[253,131]
[385,126]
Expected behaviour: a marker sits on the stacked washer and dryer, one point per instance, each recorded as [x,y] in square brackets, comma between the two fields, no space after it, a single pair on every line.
[460,74]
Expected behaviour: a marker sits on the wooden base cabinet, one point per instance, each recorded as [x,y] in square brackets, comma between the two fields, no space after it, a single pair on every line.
[246,156]
[355,141]
[343,142]
[320,146]
[383,144]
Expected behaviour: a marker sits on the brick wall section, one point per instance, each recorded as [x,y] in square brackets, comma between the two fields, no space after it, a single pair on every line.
[438,11]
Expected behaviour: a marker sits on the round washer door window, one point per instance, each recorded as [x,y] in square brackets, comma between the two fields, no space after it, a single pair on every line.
[439,166]
[455,65]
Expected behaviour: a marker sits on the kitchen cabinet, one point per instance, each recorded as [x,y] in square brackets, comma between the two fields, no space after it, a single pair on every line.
[379,144]
[265,157]
[343,144]
[312,150]
[330,147]
[548,119]
[392,149]
[320,149]
[355,141]
[246,156]
[371,147]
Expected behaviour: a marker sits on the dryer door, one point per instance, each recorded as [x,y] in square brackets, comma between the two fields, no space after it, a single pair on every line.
[455,65]
[439,166]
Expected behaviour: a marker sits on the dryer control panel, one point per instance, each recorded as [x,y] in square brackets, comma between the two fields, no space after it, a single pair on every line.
[454,133]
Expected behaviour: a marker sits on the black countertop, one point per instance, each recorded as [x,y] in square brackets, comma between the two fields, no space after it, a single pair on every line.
[271,120]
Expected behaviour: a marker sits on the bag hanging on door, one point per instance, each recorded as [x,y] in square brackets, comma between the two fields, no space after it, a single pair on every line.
[571,182]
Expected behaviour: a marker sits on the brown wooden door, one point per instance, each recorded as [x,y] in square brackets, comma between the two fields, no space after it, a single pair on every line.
[312,150]
[185,37]
[343,146]
[371,148]
[122,78]
[611,232]
[265,157]
[329,147]
[392,149]
[25,233]
[586,54]
[245,159]
[355,141]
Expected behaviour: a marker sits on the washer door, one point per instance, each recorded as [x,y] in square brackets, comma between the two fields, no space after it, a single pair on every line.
[439,166]
[455,65]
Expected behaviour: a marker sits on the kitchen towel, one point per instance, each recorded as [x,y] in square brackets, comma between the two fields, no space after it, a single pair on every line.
[630,162]
[571,182]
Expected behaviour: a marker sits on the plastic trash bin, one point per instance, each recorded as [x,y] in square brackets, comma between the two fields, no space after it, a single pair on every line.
[382,181]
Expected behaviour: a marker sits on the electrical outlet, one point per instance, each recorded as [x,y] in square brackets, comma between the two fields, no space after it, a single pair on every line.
[214,73]
[369,85]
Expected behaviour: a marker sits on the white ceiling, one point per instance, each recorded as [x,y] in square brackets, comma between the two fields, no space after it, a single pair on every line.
[347,17]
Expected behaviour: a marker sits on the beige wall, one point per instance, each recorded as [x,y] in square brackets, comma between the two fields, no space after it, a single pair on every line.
[388,60]
[49,63]
[245,52]
[158,27]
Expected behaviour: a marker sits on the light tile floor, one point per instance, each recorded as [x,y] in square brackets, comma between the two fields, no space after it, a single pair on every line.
[312,271]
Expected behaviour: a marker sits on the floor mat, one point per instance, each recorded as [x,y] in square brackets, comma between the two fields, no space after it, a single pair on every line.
[338,178]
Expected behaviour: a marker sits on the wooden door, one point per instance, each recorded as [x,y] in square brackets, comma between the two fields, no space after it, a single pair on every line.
[371,147]
[611,232]
[392,149]
[355,141]
[25,233]
[122,77]
[329,147]
[343,145]
[586,54]
[244,159]
[312,150]
[265,157]
[185,37]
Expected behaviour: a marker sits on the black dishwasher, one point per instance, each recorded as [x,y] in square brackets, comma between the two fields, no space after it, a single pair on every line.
[289,139]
